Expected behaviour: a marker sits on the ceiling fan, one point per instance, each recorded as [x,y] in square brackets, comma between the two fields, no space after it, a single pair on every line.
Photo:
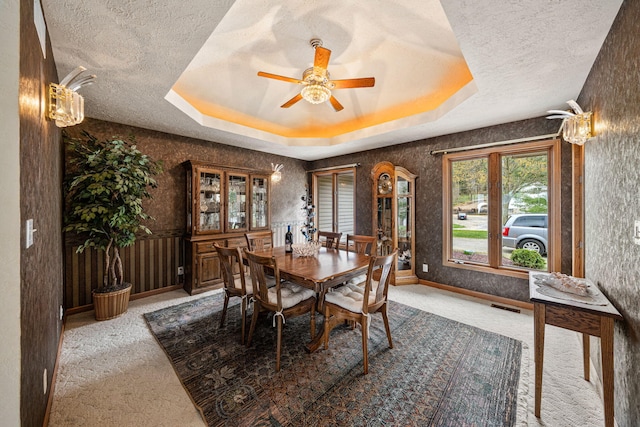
[316,81]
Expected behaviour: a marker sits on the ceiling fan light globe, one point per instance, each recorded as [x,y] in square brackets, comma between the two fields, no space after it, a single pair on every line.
[315,93]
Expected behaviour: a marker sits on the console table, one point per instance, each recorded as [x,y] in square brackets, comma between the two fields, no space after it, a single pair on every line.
[587,318]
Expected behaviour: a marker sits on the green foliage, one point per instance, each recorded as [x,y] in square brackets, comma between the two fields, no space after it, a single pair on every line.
[470,177]
[527,258]
[105,187]
[535,204]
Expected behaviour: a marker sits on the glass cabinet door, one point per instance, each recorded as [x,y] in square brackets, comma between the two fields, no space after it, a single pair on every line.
[209,201]
[385,226]
[236,202]
[404,223]
[259,202]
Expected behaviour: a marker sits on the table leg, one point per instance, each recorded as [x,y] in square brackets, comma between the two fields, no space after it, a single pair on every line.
[606,344]
[539,322]
[586,353]
[318,340]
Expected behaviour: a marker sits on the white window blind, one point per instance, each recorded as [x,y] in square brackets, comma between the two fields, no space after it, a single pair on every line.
[335,199]
[345,204]
[324,204]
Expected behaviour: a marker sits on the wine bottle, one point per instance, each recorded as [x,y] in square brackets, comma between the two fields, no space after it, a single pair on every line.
[288,240]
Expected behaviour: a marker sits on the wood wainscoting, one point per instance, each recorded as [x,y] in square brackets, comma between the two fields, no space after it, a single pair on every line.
[151,264]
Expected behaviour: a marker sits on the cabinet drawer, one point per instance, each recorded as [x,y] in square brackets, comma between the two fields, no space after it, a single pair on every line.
[237,242]
[207,246]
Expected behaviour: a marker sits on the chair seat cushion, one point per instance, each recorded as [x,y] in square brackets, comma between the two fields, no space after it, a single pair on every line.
[358,280]
[350,297]
[290,293]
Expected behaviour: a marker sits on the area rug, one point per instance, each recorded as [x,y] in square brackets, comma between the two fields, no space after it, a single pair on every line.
[439,373]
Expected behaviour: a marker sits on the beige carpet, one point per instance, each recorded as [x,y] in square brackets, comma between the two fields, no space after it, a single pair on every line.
[114,373]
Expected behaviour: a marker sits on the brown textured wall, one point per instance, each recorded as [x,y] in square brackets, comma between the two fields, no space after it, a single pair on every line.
[612,202]
[416,157]
[168,205]
[40,183]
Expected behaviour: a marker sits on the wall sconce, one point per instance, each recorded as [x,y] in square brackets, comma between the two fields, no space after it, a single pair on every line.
[66,106]
[276,176]
[577,126]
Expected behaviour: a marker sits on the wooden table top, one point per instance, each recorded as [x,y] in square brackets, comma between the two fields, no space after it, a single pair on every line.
[604,310]
[329,268]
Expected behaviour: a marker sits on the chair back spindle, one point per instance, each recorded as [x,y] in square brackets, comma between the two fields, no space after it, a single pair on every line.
[259,240]
[360,243]
[329,239]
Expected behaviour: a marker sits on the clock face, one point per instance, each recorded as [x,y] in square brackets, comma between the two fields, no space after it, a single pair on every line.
[384,184]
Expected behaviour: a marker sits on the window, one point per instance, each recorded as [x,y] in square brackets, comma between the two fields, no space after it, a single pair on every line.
[334,192]
[500,199]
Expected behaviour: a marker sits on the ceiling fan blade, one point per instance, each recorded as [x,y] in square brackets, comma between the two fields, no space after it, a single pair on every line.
[322,57]
[277,77]
[351,83]
[335,104]
[292,101]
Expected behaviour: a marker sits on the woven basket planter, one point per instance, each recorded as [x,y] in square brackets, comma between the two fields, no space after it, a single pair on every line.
[109,305]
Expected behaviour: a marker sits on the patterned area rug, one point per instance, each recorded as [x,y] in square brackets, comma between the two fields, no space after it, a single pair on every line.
[439,373]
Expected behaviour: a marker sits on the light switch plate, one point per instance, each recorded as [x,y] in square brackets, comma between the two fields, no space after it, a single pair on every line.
[29,233]
[636,232]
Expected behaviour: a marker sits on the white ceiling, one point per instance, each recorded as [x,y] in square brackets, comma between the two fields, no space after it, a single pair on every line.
[525,56]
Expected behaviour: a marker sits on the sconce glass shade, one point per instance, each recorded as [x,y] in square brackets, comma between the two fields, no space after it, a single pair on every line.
[276,176]
[577,129]
[66,106]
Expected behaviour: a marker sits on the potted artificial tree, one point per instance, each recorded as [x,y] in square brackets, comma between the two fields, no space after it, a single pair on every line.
[105,185]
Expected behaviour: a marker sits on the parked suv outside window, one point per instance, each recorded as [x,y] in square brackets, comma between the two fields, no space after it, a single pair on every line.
[526,231]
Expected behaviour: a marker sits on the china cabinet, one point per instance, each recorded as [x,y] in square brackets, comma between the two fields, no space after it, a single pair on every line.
[223,203]
[394,217]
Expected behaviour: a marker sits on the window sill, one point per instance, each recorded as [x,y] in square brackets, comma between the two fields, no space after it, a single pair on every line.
[503,271]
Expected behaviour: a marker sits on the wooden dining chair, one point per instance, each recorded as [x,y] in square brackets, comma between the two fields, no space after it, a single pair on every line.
[363,245]
[285,299]
[259,240]
[235,284]
[353,303]
[329,239]
[360,243]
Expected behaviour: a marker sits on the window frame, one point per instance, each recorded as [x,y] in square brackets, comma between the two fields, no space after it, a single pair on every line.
[494,224]
[335,202]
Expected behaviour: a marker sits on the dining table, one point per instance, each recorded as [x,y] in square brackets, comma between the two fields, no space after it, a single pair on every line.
[327,269]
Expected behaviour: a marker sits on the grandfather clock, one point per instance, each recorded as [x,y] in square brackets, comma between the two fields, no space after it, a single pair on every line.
[394,217]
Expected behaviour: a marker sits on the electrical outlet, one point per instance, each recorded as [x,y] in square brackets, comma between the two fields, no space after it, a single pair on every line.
[180,271]
[425,268]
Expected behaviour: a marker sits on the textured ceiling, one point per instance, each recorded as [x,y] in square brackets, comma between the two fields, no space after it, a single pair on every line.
[525,57]
[220,87]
